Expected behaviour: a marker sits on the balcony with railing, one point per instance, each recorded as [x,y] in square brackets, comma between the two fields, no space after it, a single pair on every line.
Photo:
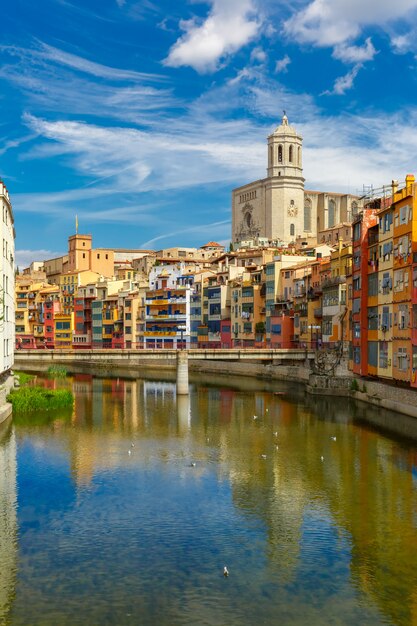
[333,281]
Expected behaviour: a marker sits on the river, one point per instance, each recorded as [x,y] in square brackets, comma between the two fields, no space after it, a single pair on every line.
[127,509]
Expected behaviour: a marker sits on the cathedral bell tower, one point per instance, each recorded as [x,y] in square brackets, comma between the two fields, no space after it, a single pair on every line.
[285,184]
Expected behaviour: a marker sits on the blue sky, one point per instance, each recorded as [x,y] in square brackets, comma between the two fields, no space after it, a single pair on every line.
[140,117]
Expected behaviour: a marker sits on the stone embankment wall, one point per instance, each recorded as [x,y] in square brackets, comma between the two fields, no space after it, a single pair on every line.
[5,407]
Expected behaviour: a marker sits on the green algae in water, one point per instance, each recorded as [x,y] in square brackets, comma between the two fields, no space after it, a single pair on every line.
[28,399]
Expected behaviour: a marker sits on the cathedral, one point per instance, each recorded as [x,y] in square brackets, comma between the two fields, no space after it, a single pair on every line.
[278,208]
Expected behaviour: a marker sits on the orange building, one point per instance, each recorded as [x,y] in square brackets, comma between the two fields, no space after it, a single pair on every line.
[405,232]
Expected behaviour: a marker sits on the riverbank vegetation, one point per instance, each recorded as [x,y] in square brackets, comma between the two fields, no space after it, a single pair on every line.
[56,371]
[28,399]
[23,377]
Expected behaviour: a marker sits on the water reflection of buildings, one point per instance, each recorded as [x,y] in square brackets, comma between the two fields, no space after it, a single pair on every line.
[364,487]
[8,520]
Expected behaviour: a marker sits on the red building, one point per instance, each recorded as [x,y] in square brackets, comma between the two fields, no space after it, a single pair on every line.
[282,325]
[225,333]
[50,309]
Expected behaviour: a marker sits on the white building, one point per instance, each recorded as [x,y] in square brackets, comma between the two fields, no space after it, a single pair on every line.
[277,207]
[7,311]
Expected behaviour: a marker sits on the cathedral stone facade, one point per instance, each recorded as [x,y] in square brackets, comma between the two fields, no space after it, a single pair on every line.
[278,208]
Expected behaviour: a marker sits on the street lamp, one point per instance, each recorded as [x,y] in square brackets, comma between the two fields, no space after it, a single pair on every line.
[181,328]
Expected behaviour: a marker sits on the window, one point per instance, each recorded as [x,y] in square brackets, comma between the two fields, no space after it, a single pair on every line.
[383,354]
[357,231]
[372,318]
[279,154]
[291,154]
[356,355]
[373,353]
[292,230]
[373,284]
[307,215]
[385,319]
[403,316]
[401,359]
[331,213]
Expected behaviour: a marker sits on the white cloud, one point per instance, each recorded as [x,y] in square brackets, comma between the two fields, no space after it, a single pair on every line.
[258,55]
[403,43]
[333,22]
[229,26]
[282,64]
[344,83]
[211,231]
[45,52]
[25,257]
[355,54]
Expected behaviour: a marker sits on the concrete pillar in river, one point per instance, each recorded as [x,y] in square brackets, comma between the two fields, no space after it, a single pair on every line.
[182,372]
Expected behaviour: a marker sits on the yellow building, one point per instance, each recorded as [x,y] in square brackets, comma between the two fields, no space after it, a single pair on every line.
[63,330]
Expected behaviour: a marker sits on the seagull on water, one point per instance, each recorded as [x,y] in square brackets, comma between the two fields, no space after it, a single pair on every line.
[225,571]
[263,456]
[129,451]
[255,417]
[322,458]
[334,438]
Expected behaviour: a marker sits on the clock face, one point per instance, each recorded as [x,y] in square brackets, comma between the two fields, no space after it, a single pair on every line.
[292,211]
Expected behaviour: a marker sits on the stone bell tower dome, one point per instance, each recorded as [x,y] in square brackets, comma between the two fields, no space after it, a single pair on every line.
[285,183]
[285,148]
[273,208]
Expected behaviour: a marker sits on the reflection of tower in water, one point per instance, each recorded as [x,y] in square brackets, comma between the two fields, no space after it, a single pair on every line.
[8,520]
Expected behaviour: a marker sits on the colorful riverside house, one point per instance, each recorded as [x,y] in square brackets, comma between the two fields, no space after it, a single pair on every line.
[167,319]
[63,329]
[282,325]
[51,308]
[97,323]
[83,316]
[217,309]
[405,231]
[273,283]
[372,310]
[385,294]
[112,323]
[359,349]
[226,333]
[301,284]
[248,309]
[414,316]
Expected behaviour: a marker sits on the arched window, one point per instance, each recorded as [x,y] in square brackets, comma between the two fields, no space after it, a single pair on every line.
[248,219]
[290,155]
[331,214]
[307,215]
[292,230]
[279,154]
